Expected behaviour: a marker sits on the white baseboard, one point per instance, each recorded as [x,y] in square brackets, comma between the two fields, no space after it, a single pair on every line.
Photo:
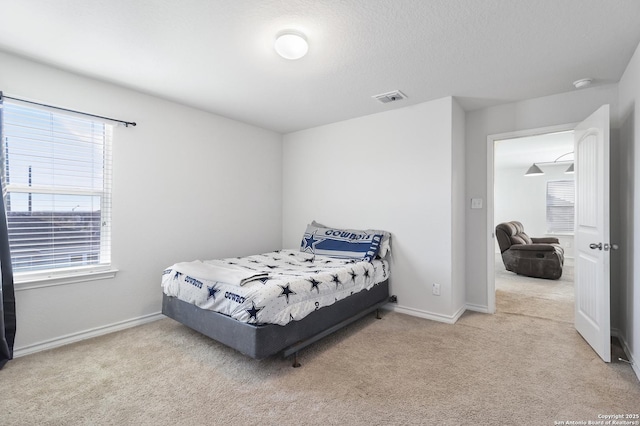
[459,313]
[86,334]
[449,319]
[477,308]
[625,347]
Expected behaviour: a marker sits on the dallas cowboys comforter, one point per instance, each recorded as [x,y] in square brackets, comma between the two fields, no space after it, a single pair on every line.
[288,284]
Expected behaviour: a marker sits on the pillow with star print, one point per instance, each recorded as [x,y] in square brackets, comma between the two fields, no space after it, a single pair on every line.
[340,243]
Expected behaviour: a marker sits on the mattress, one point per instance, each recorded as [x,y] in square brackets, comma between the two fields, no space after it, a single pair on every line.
[292,285]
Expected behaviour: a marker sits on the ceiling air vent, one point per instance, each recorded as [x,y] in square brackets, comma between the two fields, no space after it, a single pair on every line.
[385,98]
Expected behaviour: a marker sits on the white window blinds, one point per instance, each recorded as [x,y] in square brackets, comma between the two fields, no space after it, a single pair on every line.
[560,206]
[56,172]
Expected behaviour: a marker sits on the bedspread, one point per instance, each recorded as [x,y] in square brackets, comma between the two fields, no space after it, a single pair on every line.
[297,284]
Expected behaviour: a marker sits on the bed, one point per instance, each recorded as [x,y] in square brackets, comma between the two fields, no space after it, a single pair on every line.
[282,301]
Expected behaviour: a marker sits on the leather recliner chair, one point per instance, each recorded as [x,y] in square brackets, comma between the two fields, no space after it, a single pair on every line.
[532,257]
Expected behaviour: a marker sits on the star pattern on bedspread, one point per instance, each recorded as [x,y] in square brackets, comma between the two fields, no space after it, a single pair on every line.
[336,279]
[314,284]
[212,292]
[287,279]
[286,291]
[253,312]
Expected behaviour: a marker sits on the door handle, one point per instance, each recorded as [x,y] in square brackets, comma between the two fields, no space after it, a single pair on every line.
[594,246]
[610,246]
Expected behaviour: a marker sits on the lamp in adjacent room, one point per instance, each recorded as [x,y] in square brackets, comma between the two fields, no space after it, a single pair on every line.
[534,170]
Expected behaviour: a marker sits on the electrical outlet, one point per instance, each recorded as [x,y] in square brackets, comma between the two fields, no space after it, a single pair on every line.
[476,203]
[435,289]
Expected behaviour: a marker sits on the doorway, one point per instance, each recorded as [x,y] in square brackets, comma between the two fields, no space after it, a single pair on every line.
[538,203]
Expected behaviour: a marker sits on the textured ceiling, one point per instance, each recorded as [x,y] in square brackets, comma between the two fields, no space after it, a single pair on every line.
[218,55]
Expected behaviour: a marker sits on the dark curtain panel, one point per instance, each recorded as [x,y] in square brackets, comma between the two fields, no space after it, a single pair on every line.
[7,295]
[8,305]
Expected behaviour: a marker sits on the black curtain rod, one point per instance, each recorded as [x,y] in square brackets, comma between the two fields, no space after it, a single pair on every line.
[126,123]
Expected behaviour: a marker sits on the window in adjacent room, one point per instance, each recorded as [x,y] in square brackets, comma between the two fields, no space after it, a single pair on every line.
[560,206]
[56,172]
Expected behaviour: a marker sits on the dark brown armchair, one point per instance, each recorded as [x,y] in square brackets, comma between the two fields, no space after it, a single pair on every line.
[533,257]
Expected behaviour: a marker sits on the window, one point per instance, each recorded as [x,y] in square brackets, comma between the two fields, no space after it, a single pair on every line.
[560,206]
[56,171]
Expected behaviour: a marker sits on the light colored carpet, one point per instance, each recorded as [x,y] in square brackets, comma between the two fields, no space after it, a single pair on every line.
[486,369]
[551,299]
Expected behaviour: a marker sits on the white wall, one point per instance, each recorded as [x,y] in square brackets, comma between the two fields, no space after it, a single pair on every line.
[186,185]
[392,171]
[523,198]
[458,202]
[629,218]
[563,108]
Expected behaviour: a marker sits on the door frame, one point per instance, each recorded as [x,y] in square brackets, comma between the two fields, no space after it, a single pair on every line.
[490,248]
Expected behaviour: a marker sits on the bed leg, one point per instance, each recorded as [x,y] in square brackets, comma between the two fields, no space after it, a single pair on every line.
[295,364]
[378,314]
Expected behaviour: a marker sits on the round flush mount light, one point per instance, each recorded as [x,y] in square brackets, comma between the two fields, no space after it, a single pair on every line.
[291,45]
[583,82]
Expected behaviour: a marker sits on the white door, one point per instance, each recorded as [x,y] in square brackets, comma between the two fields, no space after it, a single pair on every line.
[592,316]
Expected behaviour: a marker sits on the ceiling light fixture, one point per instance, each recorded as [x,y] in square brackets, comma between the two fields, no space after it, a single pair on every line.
[291,45]
[534,170]
[583,82]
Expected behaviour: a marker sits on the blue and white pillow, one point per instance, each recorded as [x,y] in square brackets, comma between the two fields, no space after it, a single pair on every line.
[341,243]
[385,246]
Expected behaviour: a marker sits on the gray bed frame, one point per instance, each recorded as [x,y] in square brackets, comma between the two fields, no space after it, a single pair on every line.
[263,340]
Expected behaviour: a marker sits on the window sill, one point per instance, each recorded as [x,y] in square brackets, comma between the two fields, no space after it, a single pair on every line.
[32,281]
